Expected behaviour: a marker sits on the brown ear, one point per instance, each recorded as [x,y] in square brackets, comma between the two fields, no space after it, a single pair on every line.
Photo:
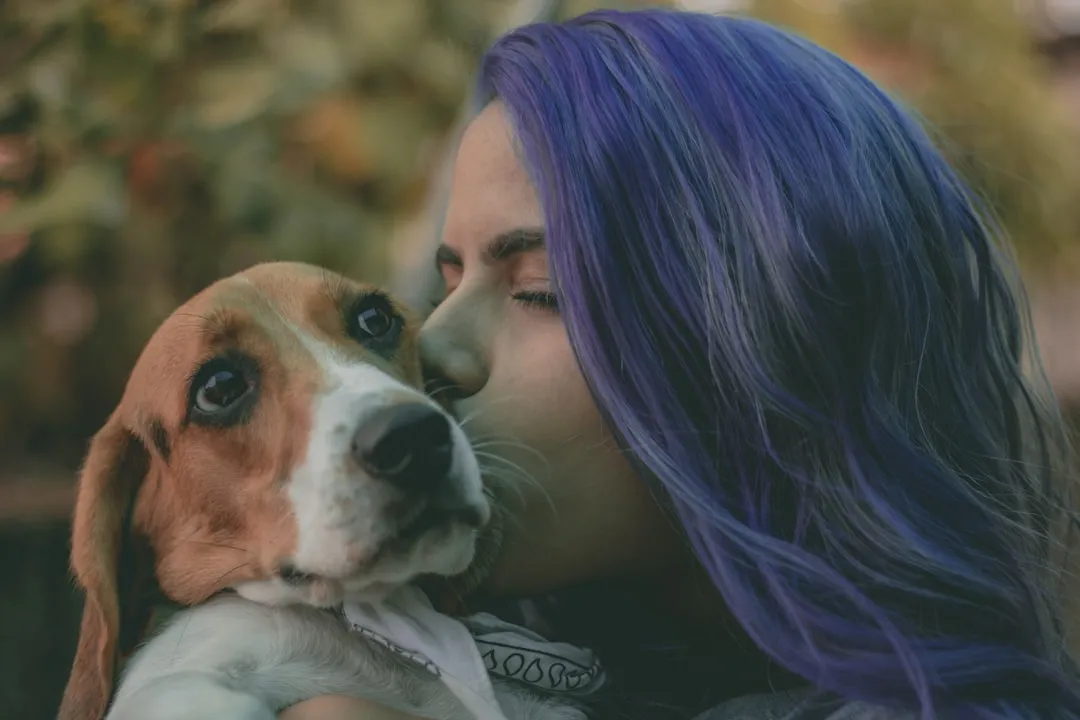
[104,563]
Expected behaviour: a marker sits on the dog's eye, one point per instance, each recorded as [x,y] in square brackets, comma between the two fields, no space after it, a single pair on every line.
[221,390]
[372,318]
[219,385]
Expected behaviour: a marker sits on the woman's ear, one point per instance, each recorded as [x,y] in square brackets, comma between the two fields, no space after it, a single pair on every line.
[104,560]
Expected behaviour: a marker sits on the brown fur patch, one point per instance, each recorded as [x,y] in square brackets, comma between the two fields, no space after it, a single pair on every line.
[160,437]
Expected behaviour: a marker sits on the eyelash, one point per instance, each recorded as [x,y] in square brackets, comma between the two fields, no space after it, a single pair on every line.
[539,301]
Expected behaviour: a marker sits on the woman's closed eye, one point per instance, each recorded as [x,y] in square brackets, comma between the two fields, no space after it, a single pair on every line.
[537,300]
[532,300]
[513,263]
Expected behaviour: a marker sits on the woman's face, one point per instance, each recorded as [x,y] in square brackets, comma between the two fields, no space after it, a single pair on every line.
[576,510]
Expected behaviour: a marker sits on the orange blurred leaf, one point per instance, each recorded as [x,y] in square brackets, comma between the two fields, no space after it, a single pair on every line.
[333,132]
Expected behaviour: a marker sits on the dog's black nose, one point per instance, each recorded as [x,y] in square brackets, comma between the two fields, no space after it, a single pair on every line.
[409,445]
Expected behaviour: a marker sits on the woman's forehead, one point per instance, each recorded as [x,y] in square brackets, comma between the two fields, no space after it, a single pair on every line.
[491,192]
[488,152]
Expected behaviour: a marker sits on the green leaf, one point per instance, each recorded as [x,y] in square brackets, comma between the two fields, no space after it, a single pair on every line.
[233,94]
[87,192]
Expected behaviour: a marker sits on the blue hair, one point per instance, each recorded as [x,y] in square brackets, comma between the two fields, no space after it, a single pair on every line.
[799,321]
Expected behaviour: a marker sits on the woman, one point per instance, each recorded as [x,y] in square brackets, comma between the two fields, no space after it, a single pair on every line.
[765,355]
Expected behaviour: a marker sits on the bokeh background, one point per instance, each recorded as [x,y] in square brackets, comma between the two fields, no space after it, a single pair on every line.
[149,148]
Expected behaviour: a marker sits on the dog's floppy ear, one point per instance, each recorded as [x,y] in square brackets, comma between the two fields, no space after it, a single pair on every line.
[105,565]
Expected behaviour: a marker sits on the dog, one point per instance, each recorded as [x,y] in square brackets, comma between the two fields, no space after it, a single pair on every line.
[273,457]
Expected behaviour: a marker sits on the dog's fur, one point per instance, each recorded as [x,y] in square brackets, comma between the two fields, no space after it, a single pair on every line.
[262,502]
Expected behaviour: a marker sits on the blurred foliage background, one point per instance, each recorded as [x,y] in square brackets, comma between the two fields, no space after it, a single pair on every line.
[149,148]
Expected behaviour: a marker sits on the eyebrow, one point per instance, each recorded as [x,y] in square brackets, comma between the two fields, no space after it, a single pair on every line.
[502,247]
[220,327]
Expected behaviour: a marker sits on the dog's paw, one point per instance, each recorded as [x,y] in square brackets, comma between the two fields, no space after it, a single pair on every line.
[187,698]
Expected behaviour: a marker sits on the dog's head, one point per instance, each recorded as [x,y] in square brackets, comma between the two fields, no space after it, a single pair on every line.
[273,438]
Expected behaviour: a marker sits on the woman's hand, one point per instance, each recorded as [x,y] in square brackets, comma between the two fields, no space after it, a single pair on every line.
[340,707]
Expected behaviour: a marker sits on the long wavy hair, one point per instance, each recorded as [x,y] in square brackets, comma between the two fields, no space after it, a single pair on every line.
[801,324]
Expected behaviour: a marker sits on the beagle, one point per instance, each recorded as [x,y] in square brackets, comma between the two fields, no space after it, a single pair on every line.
[272,460]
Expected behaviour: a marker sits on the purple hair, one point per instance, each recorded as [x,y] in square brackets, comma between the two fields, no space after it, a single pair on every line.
[797,319]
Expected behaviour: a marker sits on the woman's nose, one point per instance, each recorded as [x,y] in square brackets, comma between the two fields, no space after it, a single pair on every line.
[454,362]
